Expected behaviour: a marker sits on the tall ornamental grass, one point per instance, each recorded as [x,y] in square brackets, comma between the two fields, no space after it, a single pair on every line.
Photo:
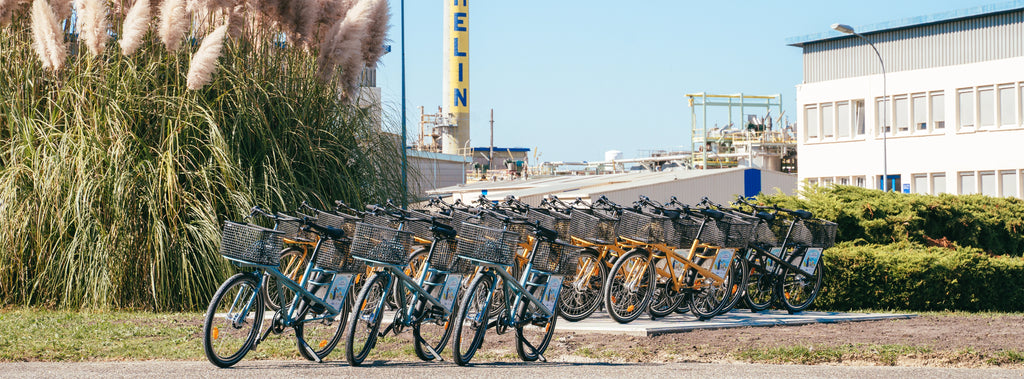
[115,177]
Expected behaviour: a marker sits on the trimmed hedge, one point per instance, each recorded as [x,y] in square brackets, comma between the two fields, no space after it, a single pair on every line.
[995,225]
[918,278]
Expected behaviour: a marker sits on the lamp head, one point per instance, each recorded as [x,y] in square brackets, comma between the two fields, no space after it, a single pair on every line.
[843,28]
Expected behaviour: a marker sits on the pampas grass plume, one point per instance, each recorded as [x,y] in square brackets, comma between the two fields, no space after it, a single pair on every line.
[376,32]
[173,23]
[45,34]
[204,62]
[136,23]
[94,25]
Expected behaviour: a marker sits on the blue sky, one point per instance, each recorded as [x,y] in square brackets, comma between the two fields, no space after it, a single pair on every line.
[573,79]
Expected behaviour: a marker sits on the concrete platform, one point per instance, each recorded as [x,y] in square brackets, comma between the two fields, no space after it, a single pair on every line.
[600,322]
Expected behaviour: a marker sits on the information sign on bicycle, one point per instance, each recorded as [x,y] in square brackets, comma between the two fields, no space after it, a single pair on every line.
[810,261]
[551,292]
[451,290]
[339,288]
[721,264]
[777,252]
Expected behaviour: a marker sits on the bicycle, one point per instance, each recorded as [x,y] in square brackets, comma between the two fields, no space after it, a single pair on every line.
[431,294]
[790,272]
[532,299]
[657,269]
[592,226]
[316,312]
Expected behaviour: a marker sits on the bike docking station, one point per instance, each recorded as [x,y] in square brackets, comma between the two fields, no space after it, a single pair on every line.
[601,323]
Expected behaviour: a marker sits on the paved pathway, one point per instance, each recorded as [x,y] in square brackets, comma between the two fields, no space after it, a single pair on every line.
[600,322]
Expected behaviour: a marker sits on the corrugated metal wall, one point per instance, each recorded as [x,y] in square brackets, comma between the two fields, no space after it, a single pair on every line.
[971,40]
[426,174]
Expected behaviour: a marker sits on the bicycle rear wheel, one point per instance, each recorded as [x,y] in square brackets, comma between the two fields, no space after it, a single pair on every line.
[533,328]
[432,328]
[321,331]
[233,320]
[709,298]
[365,318]
[629,288]
[759,293]
[797,291]
[581,295]
[472,317]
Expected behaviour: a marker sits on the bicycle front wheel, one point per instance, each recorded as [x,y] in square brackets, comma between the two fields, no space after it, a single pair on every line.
[740,273]
[797,291]
[629,288]
[233,320]
[472,317]
[581,294]
[365,318]
[709,297]
[533,328]
[759,293]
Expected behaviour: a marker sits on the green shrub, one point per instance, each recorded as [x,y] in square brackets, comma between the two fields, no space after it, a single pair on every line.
[994,225]
[913,277]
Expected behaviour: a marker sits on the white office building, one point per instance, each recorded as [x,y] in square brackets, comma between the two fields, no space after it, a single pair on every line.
[954,119]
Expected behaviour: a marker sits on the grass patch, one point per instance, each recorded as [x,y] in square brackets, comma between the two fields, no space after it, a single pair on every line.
[1007,357]
[884,354]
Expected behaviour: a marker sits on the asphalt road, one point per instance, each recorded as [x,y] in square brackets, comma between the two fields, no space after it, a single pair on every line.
[335,369]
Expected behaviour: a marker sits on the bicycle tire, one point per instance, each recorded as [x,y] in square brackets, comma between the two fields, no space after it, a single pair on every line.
[474,309]
[582,295]
[710,299]
[324,333]
[366,316]
[740,269]
[794,292]
[292,266]
[434,332]
[624,301]
[416,259]
[664,299]
[241,332]
[527,332]
[760,292]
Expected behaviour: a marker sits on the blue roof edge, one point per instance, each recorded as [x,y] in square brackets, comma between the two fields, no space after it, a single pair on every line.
[978,11]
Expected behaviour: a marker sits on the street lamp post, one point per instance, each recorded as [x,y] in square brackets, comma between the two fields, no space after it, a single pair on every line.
[846,29]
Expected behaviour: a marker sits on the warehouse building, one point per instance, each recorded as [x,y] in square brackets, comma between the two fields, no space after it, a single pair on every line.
[954,115]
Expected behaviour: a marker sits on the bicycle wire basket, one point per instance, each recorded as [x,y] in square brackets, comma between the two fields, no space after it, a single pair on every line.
[251,243]
[445,257]
[338,220]
[556,258]
[459,217]
[335,255]
[593,226]
[688,227]
[730,231]
[818,233]
[522,231]
[551,220]
[491,245]
[291,226]
[419,228]
[381,244]
[648,228]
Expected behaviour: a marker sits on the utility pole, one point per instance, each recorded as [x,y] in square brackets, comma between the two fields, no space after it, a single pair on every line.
[490,153]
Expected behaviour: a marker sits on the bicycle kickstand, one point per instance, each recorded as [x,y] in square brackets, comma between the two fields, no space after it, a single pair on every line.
[430,349]
[534,349]
[309,350]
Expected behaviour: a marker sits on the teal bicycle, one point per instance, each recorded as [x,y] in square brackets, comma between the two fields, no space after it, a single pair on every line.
[531,300]
[425,303]
[318,304]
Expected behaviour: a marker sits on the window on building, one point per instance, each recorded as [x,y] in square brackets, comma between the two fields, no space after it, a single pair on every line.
[883,116]
[920,105]
[938,183]
[826,182]
[843,180]
[827,118]
[812,181]
[1007,108]
[986,106]
[965,107]
[1008,182]
[967,183]
[1021,104]
[843,119]
[811,121]
[860,181]
[938,110]
[902,114]
[988,183]
[858,115]
[920,183]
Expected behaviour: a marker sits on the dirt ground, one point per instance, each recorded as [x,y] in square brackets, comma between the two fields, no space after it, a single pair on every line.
[955,340]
